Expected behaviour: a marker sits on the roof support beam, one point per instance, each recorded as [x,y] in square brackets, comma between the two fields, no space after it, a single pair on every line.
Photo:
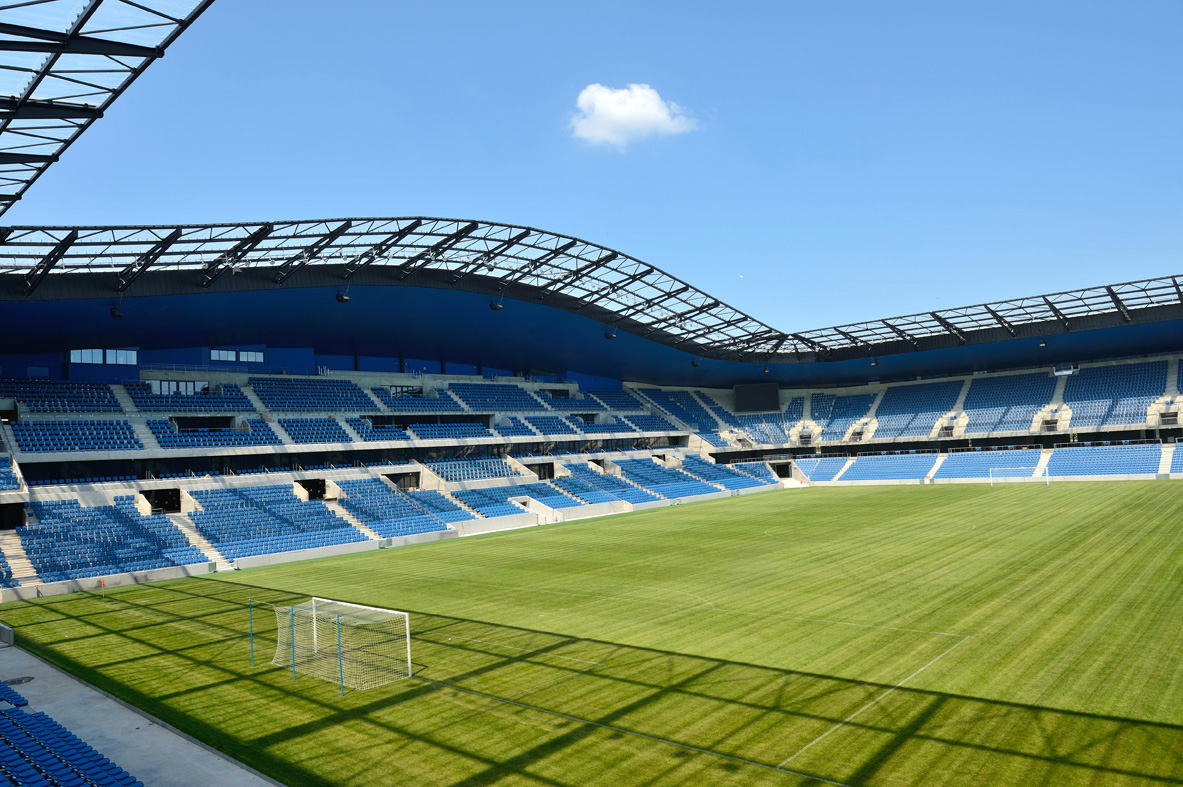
[293,264]
[902,333]
[27,158]
[1056,311]
[635,277]
[1125,313]
[377,250]
[1178,289]
[1001,321]
[146,260]
[425,256]
[850,337]
[12,108]
[46,263]
[490,255]
[948,326]
[816,345]
[568,279]
[535,264]
[228,259]
[636,308]
[54,42]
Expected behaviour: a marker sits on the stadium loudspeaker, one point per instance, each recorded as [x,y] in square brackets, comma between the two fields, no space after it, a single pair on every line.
[610,333]
[342,298]
[765,371]
[496,306]
[874,361]
[116,313]
[696,363]
[1043,342]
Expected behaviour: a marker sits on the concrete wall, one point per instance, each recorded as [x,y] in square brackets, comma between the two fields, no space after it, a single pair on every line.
[95,584]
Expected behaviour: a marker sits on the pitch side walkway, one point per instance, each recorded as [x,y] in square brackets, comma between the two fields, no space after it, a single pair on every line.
[151,753]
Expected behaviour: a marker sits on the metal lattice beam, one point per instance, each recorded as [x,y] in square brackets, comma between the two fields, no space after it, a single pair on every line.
[298,261]
[144,261]
[46,263]
[235,254]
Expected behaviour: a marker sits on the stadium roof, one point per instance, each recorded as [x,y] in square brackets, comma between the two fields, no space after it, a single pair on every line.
[62,63]
[524,263]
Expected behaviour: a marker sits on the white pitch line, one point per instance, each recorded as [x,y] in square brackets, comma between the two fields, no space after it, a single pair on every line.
[845,721]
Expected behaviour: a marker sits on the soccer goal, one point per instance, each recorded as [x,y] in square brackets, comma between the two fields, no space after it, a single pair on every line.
[354,645]
[1011,475]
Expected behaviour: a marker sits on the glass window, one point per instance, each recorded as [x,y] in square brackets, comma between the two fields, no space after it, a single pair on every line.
[251,357]
[86,356]
[222,355]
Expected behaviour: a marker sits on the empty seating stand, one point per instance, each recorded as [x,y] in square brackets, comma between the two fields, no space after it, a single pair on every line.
[580,488]
[488,502]
[438,505]
[619,426]
[610,484]
[664,481]
[223,398]
[618,400]
[42,395]
[1105,460]
[260,520]
[1008,403]
[985,464]
[314,430]
[651,423]
[757,470]
[571,404]
[8,479]
[683,406]
[37,437]
[315,394]
[836,414]
[387,512]
[370,433]
[822,468]
[71,542]
[258,432]
[449,431]
[913,410]
[36,750]
[472,469]
[723,475]
[496,397]
[1118,395]
[514,426]
[890,467]
[551,425]
[434,402]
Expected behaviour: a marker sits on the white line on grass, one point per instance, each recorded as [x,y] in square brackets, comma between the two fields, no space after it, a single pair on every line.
[875,701]
[634,733]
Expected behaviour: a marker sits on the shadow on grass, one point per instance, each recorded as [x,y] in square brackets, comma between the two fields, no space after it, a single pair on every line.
[491,702]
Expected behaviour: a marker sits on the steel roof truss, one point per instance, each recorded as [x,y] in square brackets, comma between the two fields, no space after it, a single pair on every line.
[380,249]
[293,264]
[1059,315]
[428,255]
[46,263]
[487,257]
[228,259]
[1125,313]
[950,327]
[536,264]
[145,260]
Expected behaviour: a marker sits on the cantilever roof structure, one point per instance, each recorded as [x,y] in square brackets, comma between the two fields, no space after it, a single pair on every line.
[510,261]
[62,64]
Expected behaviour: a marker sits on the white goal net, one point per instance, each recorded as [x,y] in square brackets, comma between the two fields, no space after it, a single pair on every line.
[1005,475]
[349,644]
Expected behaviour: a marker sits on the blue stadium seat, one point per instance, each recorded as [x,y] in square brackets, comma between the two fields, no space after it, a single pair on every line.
[38,437]
[1008,403]
[314,394]
[890,467]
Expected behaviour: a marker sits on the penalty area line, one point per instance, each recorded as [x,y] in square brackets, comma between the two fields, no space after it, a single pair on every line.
[873,702]
[613,728]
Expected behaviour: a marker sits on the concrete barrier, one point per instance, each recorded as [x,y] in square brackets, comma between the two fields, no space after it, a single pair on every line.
[474,527]
[95,584]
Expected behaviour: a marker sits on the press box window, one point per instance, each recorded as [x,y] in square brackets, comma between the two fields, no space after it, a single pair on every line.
[222,355]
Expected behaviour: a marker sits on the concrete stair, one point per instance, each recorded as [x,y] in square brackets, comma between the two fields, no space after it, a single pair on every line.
[140,427]
[253,398]
[932,471]
[1044,456]
[124,398]
[845,467]
[340,511]
[185,525]
[14,552]
[1168,453]
[349,430]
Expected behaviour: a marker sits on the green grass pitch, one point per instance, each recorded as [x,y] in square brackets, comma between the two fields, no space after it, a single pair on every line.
[902,635]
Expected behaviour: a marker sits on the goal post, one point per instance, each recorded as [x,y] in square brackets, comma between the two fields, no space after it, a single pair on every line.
[354,645]
[1011,475]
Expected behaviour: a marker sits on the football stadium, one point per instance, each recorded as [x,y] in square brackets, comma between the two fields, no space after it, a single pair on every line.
[436,500]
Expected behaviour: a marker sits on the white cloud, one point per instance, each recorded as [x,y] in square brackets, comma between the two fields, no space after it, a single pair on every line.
[608,116]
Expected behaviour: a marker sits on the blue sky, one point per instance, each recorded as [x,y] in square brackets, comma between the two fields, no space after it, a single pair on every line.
[847,161]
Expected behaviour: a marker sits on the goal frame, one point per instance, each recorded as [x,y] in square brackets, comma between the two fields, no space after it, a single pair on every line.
[309,609]
[1008,475]
[406,622]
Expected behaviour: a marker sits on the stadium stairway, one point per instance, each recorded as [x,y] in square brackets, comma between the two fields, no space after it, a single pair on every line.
[845,467]
[124,399]
[14,552]
[932,471]
[142,432]
[349,430]
[253,398]
[1164,462]
[185,525]
[1041,466]
[340,511]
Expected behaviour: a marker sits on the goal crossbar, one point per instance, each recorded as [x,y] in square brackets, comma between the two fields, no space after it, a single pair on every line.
[1033,474]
